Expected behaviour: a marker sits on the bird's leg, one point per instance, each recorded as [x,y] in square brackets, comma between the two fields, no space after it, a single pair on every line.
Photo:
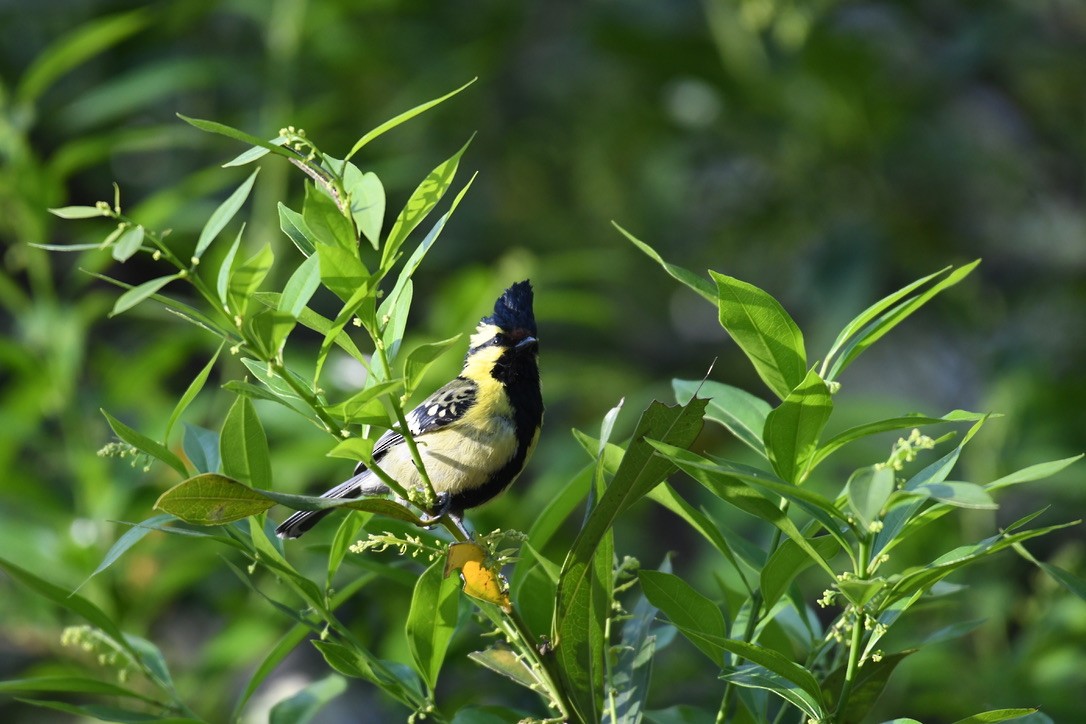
[441,508]
[458,520]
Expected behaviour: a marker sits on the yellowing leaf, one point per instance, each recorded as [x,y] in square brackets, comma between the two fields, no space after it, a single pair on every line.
[479,581]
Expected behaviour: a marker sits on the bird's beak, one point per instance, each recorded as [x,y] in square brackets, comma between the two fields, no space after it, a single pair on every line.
[527,343]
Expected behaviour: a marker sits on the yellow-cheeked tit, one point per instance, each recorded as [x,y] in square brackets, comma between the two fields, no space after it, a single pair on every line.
[475,434]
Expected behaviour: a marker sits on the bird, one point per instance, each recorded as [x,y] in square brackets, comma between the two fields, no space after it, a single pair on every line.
[475,434]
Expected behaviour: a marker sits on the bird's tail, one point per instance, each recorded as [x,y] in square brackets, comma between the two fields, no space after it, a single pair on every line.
[365,483]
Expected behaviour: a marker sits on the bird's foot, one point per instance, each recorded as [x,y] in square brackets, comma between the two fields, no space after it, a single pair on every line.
[441,507]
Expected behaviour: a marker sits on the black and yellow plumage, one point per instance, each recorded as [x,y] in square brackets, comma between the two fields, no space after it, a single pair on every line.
[475,434]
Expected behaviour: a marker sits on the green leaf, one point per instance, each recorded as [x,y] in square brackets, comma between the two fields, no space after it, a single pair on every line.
[779,664]
[74,48]
[958,494]
[243,446]
[696,617]
[996,715]
[698,283]
[366,402]
[792,430]
[367,199]
[870,680]
[301,707]
[345,537]
[393,315]
[152,660]
[739,411]
[356,662]
[505,662]
[191,392]
[631,670]
[135,295]
[247,278]
[420,359]
[680,714]
[293,225]
[421,202]
[201,447]
[226,270]
[868,489]
[699,521]
[224,130]
[738,485]
[1033,472]
[100,712]
[787,562]
[431,620]
[905,422]
[222,215]
[922,578]
[895,520]
[271,661]
[327,223]
[342,271]
[145,444]
[212,499]
[131,537]
[764,331]
[872,331]
[67,685]
[756,676]
[72,602]
[405,116]
[1068,580]
[128,243]
[421,250]
[301,286]
[268,330]
[253,154]
[362,296]
[78,212]
[580,591]
[312,320]
[876,310]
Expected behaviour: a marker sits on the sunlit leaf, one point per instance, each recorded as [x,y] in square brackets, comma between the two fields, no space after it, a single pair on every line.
[868,489]
[698,283]
[401,118]
[792,430]
[223,214]
[696,617]
[301,286]
[244,447]
[764,331]
[302,706]
[135,295]
[128,243]
[431,621]
[145,444]
[212,499]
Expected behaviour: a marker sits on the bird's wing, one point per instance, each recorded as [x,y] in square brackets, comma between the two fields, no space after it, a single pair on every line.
[449,404]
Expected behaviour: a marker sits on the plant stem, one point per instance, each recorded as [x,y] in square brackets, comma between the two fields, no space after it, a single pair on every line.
[756,600]
[856,642]
[412,446]
[544,663]
[309,398]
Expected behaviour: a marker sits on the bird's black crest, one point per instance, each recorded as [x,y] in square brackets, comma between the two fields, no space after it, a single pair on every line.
[513,310]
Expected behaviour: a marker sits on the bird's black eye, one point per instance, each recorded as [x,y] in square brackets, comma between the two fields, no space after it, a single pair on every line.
[499,340]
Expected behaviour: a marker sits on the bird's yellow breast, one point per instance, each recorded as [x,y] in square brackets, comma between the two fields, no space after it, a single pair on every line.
[458,457]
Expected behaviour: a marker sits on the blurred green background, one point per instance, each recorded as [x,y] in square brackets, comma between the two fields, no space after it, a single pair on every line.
[828,152]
